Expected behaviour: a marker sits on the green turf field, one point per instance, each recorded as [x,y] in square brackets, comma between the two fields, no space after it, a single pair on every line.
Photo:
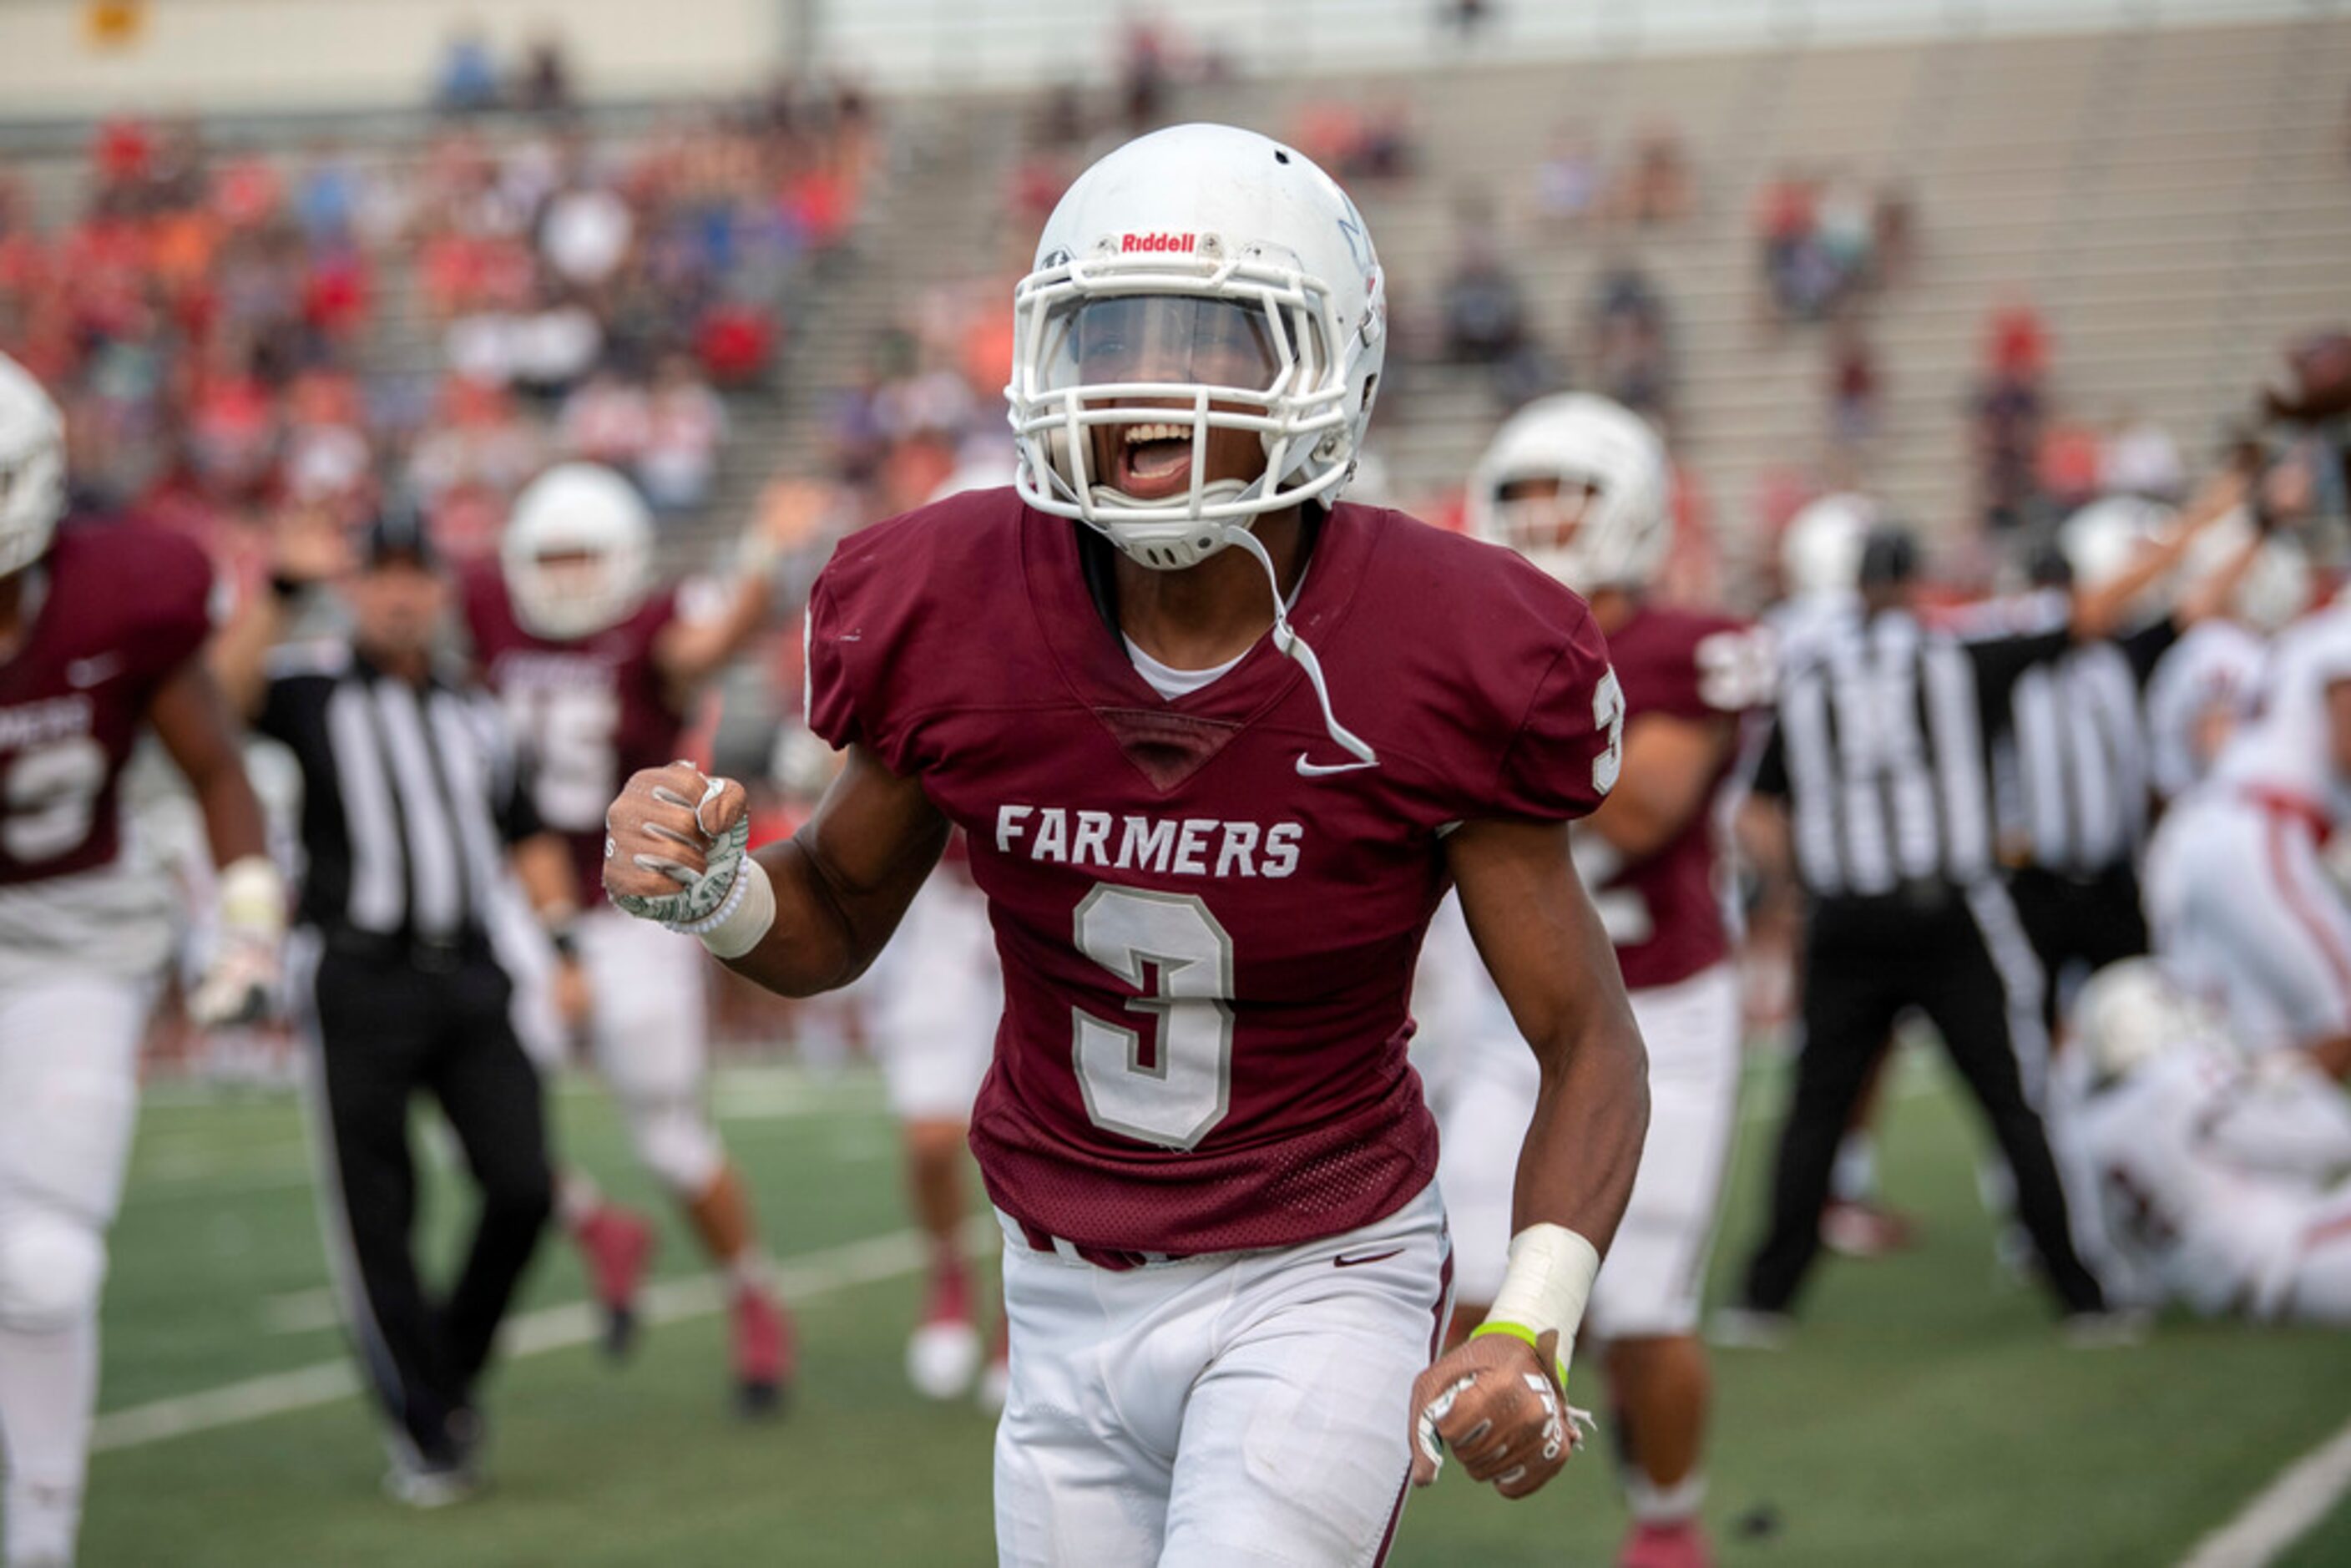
[1925,1415]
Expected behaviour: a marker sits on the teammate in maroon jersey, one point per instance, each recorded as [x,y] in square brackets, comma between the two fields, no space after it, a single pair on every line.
[1577,484]
[598,668]
[100,629]
[1212,824]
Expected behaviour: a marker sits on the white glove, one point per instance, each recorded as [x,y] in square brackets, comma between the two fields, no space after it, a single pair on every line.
[246,970]
[674,851]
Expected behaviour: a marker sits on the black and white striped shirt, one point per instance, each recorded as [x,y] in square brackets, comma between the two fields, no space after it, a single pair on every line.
[2069,756]
[1877,747]
[412,796]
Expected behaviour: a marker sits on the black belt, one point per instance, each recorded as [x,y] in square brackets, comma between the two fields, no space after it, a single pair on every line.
[422,953]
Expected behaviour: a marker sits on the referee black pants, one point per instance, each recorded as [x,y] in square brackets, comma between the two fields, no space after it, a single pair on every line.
[1866,961]
[388,1030]
[2092,920]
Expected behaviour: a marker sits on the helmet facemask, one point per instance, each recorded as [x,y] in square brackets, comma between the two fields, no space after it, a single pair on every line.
[562,593]
[1187,352]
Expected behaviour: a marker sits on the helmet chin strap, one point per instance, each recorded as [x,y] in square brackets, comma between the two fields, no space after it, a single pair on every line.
[1289,645]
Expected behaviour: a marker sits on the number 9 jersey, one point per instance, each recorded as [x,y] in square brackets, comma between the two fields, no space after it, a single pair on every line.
[1209,915]
[111,613]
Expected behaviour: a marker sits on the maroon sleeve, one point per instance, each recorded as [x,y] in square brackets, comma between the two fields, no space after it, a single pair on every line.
[831,697]
[172,616]
[478,599]
[1560,761]
[1696,666]
[862,610]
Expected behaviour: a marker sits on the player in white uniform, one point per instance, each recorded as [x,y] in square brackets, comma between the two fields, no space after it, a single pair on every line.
[1577,484]
[89,655]
[2212,1178]
[2201,692]
[2237,898]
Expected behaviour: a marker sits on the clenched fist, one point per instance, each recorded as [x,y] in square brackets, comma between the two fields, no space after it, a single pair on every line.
[673,842]
[1495,1404]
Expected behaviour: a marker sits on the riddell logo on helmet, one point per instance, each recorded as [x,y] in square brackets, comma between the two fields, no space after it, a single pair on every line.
[1138,244]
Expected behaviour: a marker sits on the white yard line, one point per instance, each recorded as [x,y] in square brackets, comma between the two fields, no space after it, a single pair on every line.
[2283,1513]
[805,1278]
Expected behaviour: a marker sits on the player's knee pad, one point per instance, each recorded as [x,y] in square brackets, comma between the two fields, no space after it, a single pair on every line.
[676,1141]
[52,1269]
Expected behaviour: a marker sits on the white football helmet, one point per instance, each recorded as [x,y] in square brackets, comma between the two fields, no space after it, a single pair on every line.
[32,468]
[1200,279]
[578,552]
[2103,539]
[2277,588]
[2131,1013]
[1820,549]
[1620,537]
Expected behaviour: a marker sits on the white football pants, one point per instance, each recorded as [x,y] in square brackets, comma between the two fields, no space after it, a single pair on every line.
[68,1105]
[649,1031]
[1483,1090]
[932,1000]
[1214,1411]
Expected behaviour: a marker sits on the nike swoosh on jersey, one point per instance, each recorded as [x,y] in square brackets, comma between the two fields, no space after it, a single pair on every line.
[1324,769]
[1343,1262]
[90,671]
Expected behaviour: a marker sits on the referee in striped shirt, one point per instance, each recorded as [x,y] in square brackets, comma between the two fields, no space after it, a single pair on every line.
[1877,761]
[414,806]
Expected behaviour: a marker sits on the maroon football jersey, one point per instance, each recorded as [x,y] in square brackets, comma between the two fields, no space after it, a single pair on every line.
[1207,949]
[121,607]
[590,711]
[1664,911]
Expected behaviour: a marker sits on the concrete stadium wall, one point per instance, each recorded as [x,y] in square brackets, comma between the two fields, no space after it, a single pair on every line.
[56,59]
[314,55]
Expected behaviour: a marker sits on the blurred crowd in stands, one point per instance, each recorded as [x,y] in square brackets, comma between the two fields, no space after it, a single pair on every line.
[230,332]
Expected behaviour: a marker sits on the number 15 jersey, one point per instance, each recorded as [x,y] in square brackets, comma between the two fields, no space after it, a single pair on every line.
[1207,923]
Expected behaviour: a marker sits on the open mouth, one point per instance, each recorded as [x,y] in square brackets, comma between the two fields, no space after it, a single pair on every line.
[1152,462]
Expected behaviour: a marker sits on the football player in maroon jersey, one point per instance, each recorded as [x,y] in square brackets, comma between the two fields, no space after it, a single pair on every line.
[598,668]
[99,631]
[1578,485]
[1212,823]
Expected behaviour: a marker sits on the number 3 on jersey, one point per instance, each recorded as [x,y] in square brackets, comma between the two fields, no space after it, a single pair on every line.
[1608,714]
[1168,1079]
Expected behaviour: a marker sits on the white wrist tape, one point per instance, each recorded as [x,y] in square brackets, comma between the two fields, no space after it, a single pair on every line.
[253,898]
[736,926]
[1545,1287]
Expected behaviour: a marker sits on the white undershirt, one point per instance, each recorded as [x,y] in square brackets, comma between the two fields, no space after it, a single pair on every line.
[1171,683]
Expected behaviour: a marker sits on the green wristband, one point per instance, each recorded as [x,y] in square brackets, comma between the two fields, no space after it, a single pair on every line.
[1533,1341]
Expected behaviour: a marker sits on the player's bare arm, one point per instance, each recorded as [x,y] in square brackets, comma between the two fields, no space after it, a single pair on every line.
[803,916]
[306,549]
[1499,1401]
[2101,611]
[690,652]
[1669,776]
[192,720]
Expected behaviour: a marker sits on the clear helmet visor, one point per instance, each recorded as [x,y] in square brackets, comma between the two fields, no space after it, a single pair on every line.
[1245,348]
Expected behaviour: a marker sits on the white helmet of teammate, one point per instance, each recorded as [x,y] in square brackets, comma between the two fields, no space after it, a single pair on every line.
[2277,588]
[578,552]
[1616,537]
[1201,279]
[32,468]
[1820,549]
[2131,1013]
[2103,539]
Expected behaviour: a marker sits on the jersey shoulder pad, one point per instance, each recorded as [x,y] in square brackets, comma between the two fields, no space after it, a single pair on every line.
[1526,713]
[892,596]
